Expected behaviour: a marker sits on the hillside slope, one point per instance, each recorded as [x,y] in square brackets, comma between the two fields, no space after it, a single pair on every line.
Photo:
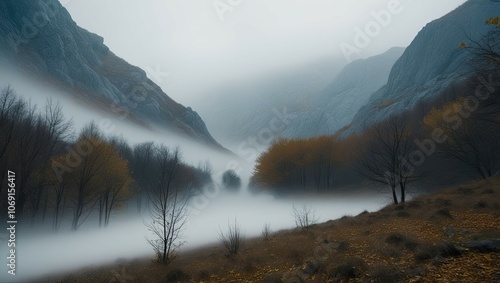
[448,236]
[335,106]
[41,37]
[432,62]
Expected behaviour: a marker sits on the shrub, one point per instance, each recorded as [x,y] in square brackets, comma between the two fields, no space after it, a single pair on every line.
[266,231]
[295,256]
[203,275]
[415,204]
[400,207]
[443,213]
[177,275]
[304,217]
[232,239]
[385,274]
[350,268]
[272,278]
[481,204]
[364,212]
[444,249]
[443,202]
[389,252]
[399,239]
[248,265]
[230,180]
[343,246]
[395,238]
[403,214]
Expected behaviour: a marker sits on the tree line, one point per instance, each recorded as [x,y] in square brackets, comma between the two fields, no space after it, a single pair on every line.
[453,137]
[457,132]
[64,175]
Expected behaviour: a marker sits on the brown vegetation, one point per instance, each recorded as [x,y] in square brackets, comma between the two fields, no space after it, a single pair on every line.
[370,247]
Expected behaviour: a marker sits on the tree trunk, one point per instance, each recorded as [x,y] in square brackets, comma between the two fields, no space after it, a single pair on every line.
[394,196]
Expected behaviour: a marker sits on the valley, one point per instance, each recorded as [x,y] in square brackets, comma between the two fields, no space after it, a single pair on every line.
[194,142]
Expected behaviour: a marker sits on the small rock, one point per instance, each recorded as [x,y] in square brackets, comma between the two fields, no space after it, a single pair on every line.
[449,231]
[484,245]
[417,272]
[438,260]
[310,268]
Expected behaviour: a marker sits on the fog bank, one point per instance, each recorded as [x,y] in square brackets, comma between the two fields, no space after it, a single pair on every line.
[125,239]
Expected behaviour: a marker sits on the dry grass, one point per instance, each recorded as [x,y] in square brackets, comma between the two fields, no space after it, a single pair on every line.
[419,241]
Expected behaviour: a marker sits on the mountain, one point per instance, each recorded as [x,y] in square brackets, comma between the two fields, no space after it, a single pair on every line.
[245,108]
[298,103]
[335,106]
[432,62]
[41,37]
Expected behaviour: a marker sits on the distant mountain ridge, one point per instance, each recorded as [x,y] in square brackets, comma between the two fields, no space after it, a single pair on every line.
[300,103]
[336,105]
[42,37]
[432,62]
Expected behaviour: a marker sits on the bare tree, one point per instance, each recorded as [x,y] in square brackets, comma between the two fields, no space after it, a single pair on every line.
[60,193]
[266,231]
[486,49]
[12,111]
[142,172]
[85,177]
[475,144]
[385,159]
[114,193]
[55,130]
[168,205]
[304,217]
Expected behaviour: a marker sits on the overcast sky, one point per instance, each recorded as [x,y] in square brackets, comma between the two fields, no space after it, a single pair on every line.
[190,46]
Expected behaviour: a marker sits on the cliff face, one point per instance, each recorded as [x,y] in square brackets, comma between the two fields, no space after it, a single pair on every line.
[336,105]
[41,36]
[432,62]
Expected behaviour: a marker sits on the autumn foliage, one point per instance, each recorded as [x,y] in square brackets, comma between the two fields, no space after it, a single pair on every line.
[60,177]
[302,164]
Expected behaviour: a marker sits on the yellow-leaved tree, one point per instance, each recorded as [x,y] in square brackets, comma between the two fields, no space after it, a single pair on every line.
[92,173]
[470,139]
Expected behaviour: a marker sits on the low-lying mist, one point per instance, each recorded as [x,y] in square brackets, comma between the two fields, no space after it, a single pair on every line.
[81,113]
[45,254]
[41,253]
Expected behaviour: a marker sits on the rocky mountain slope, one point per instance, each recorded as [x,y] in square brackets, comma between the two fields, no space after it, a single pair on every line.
[336,105]
[432,62]
[41,37]
[299,103]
